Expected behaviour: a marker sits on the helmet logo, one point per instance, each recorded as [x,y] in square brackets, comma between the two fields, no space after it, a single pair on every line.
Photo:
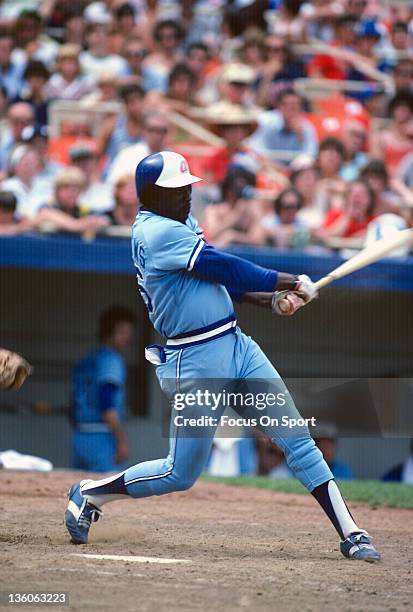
[184,167]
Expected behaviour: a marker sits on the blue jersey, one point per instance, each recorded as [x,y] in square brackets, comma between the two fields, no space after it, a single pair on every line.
[97,368]
[164,252]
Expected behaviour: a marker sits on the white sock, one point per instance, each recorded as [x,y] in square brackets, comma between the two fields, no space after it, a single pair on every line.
[344,517]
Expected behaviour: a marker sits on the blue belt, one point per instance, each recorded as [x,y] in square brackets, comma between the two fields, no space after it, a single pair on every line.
[155,352]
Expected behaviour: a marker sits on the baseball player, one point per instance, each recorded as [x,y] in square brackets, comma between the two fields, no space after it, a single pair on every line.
[98,395]
[189,287]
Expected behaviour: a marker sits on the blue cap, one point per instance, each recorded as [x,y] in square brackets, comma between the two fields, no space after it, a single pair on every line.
[367,29]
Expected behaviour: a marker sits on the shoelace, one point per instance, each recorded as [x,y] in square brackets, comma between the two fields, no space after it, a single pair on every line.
[86,521]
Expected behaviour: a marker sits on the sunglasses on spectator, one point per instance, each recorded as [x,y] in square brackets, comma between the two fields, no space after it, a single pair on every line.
[155,129]
[357,133]
[135,53]
[239,84]
[290,206]
[20,121]
[166,35]
[275,48]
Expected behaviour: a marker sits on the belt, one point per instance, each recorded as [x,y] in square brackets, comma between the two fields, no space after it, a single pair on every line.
[155,353]
[198,336]
[92,427]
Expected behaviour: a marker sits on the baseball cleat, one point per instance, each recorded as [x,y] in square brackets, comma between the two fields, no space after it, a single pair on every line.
[80,514]
[358,546]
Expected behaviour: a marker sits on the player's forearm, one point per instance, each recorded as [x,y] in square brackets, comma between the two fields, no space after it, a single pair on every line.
[264,299]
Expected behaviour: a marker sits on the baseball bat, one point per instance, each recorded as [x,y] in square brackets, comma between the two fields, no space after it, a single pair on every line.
[367,256]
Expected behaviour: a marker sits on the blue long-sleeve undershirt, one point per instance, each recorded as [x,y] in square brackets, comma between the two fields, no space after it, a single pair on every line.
[237,275]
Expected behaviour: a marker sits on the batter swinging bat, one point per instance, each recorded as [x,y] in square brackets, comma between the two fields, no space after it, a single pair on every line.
[367,256]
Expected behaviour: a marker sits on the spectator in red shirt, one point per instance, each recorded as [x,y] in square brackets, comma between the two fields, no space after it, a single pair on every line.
[328,66]
[351,220]
[233,125]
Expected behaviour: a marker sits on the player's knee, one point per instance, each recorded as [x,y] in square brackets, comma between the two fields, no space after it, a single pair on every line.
[183,483]
[302,451]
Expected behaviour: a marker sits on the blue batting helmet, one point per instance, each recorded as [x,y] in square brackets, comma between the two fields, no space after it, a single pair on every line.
[165,169]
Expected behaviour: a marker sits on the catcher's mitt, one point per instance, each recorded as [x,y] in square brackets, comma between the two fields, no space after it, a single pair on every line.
[14,370]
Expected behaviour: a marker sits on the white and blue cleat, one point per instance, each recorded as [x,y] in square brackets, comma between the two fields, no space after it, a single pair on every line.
[80,514]
[358,546]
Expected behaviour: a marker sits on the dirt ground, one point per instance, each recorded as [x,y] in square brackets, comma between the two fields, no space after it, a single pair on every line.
[247,549]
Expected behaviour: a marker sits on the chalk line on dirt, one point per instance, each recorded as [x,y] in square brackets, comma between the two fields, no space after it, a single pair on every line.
[131,558]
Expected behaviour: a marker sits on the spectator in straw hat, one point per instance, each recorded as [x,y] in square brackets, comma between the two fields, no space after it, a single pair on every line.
[233,124]
[68,83]
[65,213]
[235,85]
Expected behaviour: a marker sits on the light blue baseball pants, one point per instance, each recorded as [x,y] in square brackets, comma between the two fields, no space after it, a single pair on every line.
[232,357]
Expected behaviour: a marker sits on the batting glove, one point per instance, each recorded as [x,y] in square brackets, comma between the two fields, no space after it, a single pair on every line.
[305,288]
[291,302]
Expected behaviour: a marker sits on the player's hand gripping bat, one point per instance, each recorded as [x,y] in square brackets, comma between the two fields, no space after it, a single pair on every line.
[367,256]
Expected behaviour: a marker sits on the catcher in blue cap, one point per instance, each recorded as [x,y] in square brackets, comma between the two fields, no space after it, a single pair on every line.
[189,287]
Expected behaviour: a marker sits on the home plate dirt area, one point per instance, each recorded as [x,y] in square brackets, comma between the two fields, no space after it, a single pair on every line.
[214,547]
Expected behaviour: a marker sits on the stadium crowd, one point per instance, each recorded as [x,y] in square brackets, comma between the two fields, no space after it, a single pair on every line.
[298,114]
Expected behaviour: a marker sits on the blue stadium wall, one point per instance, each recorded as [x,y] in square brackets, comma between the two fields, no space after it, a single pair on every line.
[52,290]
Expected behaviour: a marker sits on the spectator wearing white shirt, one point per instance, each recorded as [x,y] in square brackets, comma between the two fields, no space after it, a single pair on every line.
[96,195]
[30,190]
[98,60]
[11,72]
[68,83]
[154,134]
[31,42]
[38,138]
[124,129]
[19,117]
[285,129]
[168,34]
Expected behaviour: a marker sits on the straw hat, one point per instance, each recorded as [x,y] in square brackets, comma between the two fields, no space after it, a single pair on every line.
[236,72]
[223,113]
[68,51]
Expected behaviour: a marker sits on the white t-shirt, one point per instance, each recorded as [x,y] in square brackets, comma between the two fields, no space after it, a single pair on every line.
[126,161]
[98,197]
[29,200]
[101,66]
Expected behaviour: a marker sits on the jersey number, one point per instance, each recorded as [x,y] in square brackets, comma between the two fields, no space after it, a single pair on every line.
[139,261]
